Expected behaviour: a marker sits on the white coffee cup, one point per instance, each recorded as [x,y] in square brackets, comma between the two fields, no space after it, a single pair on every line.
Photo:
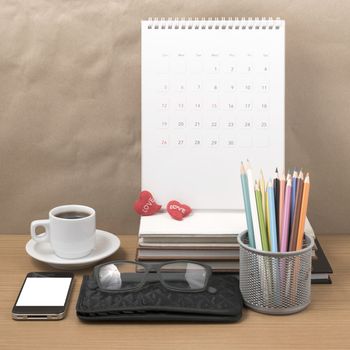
[70,229]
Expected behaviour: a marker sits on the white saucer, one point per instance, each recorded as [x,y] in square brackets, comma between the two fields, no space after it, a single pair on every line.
[106,244]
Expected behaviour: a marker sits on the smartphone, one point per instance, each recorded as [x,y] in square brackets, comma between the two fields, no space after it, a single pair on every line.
[43,296]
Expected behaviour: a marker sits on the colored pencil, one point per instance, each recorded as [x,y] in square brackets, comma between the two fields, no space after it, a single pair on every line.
[267,216]
[262,189]
[281,206]
[255,219]
[262,225]
[294,191]
[276,189]
[248,213]
[272,220]
[303,212]
[296,214]
[286,215]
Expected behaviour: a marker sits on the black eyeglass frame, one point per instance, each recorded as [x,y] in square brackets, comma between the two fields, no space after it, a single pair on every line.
[155,270]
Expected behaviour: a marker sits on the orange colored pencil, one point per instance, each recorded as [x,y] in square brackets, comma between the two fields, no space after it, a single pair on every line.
[281,209]
[303,212]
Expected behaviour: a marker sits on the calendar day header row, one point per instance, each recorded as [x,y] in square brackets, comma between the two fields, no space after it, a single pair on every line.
[229,55]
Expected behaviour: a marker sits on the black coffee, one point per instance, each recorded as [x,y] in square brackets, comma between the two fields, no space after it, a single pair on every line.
[72,215]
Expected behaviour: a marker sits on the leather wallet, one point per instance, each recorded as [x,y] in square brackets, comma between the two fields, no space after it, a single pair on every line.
[220,302]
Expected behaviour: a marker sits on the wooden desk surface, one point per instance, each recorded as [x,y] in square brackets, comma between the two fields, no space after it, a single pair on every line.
[324,325]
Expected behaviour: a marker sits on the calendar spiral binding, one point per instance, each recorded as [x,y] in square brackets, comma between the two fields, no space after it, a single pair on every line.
[216,23]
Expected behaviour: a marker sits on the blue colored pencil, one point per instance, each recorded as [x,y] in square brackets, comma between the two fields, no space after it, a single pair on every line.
[273,229]
[294,192]
[248,212]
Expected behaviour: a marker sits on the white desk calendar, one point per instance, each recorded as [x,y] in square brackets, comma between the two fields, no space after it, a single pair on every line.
[212,96]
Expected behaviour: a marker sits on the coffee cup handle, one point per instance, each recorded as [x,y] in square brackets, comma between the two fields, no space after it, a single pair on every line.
[43,236]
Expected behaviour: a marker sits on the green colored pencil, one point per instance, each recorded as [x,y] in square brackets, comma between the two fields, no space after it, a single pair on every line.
[262,225]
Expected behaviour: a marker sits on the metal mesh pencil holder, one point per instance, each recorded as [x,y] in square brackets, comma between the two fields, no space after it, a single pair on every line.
[275,283]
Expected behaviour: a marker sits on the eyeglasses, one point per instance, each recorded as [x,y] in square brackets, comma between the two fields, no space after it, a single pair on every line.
[177,275]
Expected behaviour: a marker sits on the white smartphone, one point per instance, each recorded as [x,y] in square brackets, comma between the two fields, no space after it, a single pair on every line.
[43,296]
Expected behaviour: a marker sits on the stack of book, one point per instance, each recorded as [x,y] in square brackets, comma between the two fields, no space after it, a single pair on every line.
[209,237]
[321,268]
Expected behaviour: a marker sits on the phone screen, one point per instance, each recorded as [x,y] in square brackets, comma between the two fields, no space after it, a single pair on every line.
[44,295]
[44,291]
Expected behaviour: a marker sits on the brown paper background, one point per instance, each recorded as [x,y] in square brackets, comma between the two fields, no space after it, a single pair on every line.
[70,103]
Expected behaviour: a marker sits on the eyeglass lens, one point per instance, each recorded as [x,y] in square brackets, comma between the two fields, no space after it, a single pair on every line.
[184,275]
[121,276]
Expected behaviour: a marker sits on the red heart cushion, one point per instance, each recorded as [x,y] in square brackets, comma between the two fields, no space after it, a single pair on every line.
[146,205]
[177,210]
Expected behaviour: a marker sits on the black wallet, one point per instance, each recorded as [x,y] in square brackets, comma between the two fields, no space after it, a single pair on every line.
[220,302]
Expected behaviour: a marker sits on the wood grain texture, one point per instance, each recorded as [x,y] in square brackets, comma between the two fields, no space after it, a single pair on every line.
[324,325]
